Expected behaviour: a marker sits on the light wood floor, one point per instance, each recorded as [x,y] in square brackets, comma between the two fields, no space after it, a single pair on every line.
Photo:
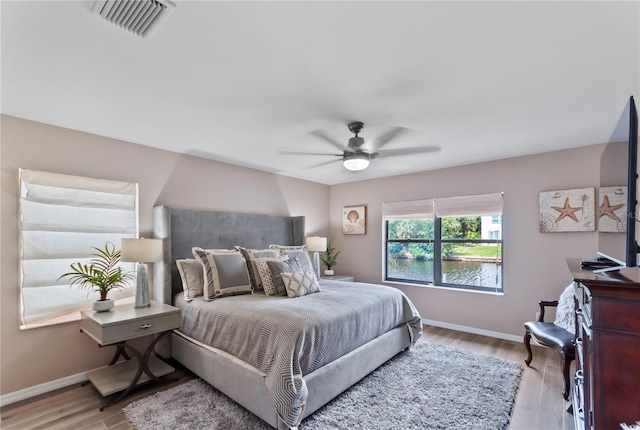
[539,404]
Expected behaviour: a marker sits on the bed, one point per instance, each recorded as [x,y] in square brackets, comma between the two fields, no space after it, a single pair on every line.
[303,364]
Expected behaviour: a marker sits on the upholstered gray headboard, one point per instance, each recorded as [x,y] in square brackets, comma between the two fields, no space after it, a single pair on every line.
[182,229]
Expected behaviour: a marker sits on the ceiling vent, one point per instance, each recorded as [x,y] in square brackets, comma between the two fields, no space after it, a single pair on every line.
[141,17]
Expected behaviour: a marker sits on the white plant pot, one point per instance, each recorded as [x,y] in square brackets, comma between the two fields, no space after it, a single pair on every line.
[328,273]
[102,305]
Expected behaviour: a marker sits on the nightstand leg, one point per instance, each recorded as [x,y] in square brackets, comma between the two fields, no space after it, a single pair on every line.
[120,351]
[143,366]
[145,361]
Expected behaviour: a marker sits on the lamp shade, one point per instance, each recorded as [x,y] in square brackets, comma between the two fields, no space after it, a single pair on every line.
[141,250]
[316,244]
[356,162]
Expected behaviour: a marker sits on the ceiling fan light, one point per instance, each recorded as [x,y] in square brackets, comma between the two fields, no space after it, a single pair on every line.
[356,162]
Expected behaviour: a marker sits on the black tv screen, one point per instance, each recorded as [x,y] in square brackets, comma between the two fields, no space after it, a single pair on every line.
[618,183]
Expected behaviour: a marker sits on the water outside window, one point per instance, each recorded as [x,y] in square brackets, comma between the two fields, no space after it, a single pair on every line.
[469,251]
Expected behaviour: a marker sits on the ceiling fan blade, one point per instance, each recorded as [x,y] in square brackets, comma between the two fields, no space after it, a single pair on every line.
[322,135]
[292,152]
[408,151]
[389,136]
[324,163]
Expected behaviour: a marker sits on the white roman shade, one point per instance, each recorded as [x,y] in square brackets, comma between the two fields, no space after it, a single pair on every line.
[412,209]
[62,218]
[480,204]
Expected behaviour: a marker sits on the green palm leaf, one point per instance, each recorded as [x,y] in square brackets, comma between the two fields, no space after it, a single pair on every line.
[101,274]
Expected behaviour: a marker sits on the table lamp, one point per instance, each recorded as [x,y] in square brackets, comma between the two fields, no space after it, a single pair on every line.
[316,244]
[141,251]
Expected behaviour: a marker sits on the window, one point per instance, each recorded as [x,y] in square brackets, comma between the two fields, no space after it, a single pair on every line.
[62,218]
[453,242]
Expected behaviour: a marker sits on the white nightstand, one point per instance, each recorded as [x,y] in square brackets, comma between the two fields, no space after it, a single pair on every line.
[344,278]
[115,327]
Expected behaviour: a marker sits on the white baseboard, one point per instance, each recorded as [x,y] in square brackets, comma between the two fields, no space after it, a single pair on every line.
[36,390]
[473,330]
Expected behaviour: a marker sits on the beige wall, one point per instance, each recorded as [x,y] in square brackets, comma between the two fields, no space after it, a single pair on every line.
[534,263]
[41,355]
[534,266]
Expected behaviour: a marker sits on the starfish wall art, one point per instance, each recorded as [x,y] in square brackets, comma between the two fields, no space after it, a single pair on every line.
[612,209]
[567,210]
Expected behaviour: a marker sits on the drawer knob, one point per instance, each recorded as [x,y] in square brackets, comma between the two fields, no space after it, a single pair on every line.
[146,325]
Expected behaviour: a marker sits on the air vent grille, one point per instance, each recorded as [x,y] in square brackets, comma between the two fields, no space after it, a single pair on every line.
[141,17]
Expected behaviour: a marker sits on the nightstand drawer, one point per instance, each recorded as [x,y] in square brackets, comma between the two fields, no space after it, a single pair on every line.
[126,322]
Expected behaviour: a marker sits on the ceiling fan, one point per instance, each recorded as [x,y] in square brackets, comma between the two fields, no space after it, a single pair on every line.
[356,158]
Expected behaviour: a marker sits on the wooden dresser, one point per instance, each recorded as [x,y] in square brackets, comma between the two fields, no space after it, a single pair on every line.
[607,381]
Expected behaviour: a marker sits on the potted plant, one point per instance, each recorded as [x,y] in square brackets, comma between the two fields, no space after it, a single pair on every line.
[330,258]
[101,275]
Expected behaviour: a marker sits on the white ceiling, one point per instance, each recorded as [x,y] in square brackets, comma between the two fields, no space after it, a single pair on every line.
[237,81]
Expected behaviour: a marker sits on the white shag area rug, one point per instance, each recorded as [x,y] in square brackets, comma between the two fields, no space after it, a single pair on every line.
[429,386]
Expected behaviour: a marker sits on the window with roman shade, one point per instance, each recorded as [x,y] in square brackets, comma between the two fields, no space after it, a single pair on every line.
[62,218]
[408,209]
[452,242]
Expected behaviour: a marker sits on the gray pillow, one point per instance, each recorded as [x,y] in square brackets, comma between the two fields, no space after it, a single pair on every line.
[291,265]
[265,274]
[250,255]
[225,274]
[299,252]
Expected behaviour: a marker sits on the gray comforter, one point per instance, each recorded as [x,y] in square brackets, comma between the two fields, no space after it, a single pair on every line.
[288,338]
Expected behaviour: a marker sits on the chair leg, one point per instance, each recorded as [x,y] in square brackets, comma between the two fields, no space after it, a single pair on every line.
[527,344]
[566,365]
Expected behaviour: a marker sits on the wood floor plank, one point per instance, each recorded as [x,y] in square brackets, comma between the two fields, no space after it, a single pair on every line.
[539,403]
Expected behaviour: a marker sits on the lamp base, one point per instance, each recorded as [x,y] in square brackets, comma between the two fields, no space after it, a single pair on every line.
[316,264]
[142,287]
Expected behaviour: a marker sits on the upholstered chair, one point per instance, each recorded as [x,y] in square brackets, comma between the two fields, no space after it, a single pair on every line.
[558,335]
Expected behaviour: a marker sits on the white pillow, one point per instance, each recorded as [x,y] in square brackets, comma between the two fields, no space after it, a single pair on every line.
[191,274]
[300,283]
[565,312]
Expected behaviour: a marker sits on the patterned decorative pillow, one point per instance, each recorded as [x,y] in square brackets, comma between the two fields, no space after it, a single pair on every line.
[250,255]
[192,279]
[266,276]
[225,273]
[300,283]
[299,252]
[277,267]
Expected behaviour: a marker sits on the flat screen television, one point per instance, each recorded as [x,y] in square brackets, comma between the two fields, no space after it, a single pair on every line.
[619,169]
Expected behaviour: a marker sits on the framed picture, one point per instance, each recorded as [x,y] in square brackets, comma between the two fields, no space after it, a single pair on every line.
[612,209]
[567,210]
[354,219]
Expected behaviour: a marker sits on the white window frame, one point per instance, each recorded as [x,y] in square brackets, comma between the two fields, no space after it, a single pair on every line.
[62,219]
